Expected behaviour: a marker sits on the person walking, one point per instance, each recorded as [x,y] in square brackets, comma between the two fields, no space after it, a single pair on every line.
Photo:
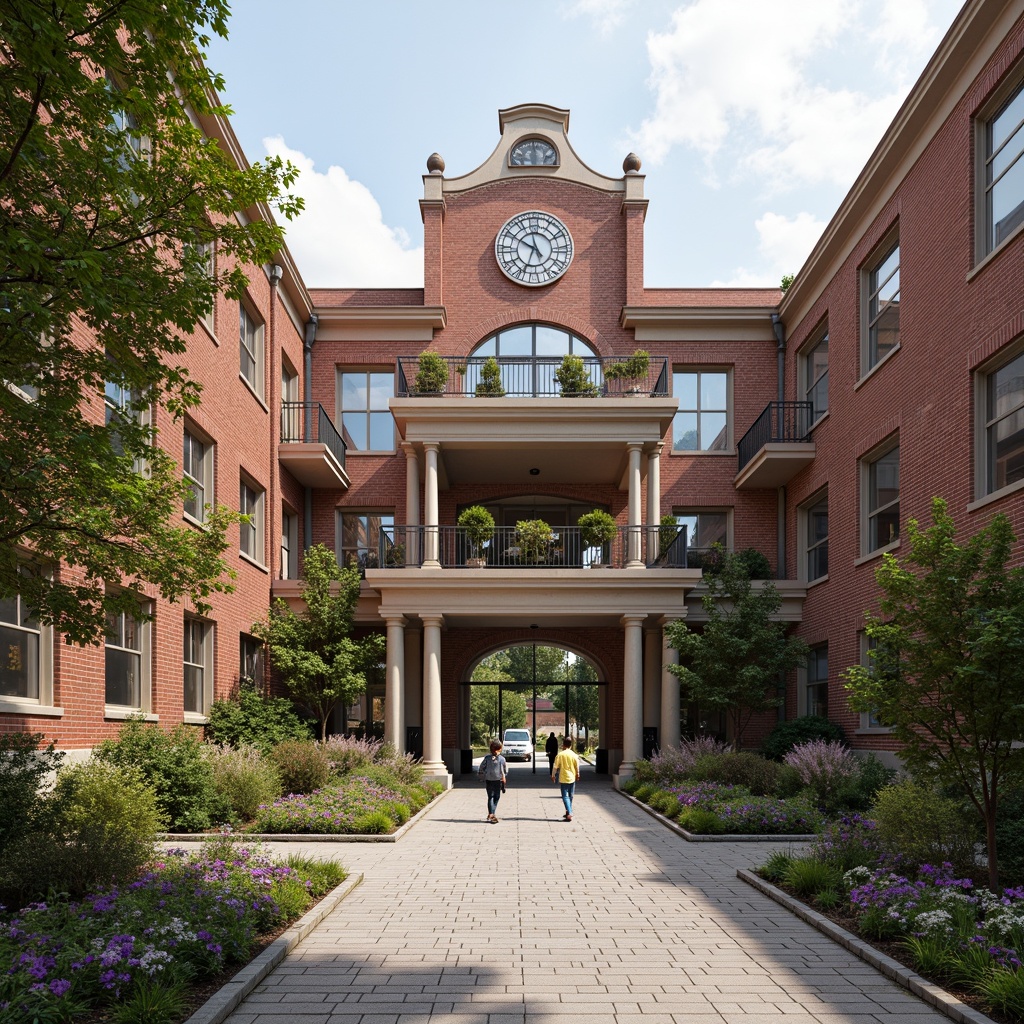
[494,772]
[566,771]
[551,749]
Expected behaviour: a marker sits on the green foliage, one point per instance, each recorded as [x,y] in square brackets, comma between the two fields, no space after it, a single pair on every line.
[432,375]
[313,651]
[533,537]
[153,1002]
[374,823]
[324,875]
[1004,991]
[643,771]
[111,190]
[786,735]
[733,665]
[664,803]
[645,792]
[631,368]
[775,867]
[477,524]
[945,671]
[490,385]
[250,719]
[700,821]
[23,768]
[302,766]
[808,876]
[245,777]
[1010,838]
[597,528]
[745,769]
[923,827]
[787,281]
[829,899]
[574,379]
[483,707]
[751,560]
[859,794]
[176,768]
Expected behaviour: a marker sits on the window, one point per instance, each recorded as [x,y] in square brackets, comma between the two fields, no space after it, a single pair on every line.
[869,659]
[130,144]
[20,643]
[815,537]
[816,686]
[250,662]
[1002,399]
[814,373]
[529,355]
[360,537]
[882,315]
[208,252]
[289,546]
[881,480]
[366,422]
[250,503]
[1003,148]
[119,408]
[198,662]
[124,662]
[704,528]
[250,349]
[702,422]
[197,465]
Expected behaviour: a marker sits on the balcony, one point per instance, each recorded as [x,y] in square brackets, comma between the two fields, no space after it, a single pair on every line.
[311,448]
[777,446]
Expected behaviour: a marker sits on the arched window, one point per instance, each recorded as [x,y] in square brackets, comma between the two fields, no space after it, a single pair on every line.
[528,355]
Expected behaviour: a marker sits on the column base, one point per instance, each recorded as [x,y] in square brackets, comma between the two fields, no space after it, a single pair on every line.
[626,771]
[437,770]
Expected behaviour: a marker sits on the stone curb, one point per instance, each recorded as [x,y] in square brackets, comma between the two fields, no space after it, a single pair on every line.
[932,994]
[305,837]
[227,998]
[692,837]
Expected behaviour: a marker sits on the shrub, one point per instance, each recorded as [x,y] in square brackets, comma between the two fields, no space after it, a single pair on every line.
[174,765]
[302,765]
[643,771]
[23,767]
[665,803]
[745,769]
[774,868]
[347,755]
[252,720]
[1010,841]
[766,815]
[574,378]
[374,823]
[824,767]
[673,764]
[919,826]
[643,793]
[860,792]
[700,821]
[245,777]
[323,875]
[848,842]
[786,735]
[432,375]
[807,876]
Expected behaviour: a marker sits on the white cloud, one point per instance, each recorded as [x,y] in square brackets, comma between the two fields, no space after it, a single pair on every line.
[783,245]
[607,15]
[340,240]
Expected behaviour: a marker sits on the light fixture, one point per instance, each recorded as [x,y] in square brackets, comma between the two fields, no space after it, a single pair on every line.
[535,471]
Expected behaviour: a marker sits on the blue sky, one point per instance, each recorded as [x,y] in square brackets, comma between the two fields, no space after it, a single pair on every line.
[751,118]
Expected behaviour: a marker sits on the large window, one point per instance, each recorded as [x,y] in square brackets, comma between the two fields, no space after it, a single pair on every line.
[359,537]
[702,422]
[869,659]
[20,642]
[250,504]
[880,479]
[704,528]
[814,373]
[529,355]
[198,664]
[1002,399]
[289,545]
[882,313]
[250,349]
[815,530]
[816,686]
[124,660]
[250,662]
[366,421]
[1004,171]
[197,465]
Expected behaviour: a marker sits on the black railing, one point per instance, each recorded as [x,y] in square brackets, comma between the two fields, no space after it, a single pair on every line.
[308,422]
[534,377]
[780,422]
[410,546]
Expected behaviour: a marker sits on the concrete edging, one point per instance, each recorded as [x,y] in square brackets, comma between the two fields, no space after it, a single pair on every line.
[692,837]
[931,993]
[227,998]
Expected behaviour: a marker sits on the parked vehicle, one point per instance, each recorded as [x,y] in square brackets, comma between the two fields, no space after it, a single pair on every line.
[517,745]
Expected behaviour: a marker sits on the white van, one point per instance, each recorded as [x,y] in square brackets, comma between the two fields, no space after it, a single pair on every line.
[517,745]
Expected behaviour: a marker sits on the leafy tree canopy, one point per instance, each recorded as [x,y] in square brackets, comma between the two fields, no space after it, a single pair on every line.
[111,196]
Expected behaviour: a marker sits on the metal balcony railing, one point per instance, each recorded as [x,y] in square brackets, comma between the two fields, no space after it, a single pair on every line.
[534,377]
[780,422]
[308,423]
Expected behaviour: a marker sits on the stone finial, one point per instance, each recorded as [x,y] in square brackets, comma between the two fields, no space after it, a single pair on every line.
[435,163]
[631,164]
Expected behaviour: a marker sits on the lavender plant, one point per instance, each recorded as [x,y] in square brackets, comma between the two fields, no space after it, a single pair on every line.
[824,767]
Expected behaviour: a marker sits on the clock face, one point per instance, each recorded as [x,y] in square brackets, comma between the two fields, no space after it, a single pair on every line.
[533,153]
[533,248]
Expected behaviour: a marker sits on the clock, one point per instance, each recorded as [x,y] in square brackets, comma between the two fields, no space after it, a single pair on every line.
[533,248]
[533,153]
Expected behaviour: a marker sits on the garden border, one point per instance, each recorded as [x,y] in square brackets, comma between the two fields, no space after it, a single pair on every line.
[693,837]
[931,993]
[227,998]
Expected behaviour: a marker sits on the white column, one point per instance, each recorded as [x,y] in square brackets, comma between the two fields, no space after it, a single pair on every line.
[432,762]
[669,731]
[394,681]
[652,678]
[633,560]
[633,695]
[412,503]
[430,538]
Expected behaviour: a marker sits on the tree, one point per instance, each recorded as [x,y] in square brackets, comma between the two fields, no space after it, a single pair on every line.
[584,701]
[947,672]
[111,201]
[733,665]
[319,661]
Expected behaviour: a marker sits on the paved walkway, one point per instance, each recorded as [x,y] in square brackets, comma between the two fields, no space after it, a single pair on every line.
[610,919]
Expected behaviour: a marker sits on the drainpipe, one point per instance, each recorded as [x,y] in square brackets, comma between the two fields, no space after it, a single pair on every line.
[780,513]
[270,516]
[307,373]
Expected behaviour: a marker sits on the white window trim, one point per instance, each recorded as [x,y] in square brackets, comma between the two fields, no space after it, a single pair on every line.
[980,389]
[730,433]
[290,519]
[866,461]
[123,711]
[879,254]
[258,526]
[339,412]
[803,681]
[819,334]
[866,728]
[258,353]
[803,516]
[43,704]
[208,664]
[697,510]
[1003,94]
[209,476]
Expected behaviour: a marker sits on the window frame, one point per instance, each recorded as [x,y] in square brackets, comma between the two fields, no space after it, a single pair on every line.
[288,568]
[207,482]
[729,447]
[206,666]
[984,483]
[209,319]
[868,464]
[144,655]
[252,502]
[1007,92]
[42,702]
[818,337]
[371,560]
[868,723]
[254,350]
[870,290]
[368,411]
[246,644]
[813,681]
[691,511]
[805,513]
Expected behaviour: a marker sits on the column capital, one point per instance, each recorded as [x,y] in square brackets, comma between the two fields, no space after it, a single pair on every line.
[431,446]
[655,448]
[635,446]
[410,449]
[432,620]
[633,618]
[394,618]
[667,620]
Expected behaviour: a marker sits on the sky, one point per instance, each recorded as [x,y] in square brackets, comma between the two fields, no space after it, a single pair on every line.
[751,118]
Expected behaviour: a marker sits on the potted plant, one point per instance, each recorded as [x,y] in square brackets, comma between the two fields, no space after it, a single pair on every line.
[490,385]
[394,557]
[573,378]
[533,537]
[477,525]
[432,376]
[629,372]
[597,528]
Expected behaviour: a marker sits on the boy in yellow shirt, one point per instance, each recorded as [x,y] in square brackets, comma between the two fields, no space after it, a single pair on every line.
[566,771]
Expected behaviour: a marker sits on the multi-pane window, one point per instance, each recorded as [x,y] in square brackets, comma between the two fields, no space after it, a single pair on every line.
[250,662]
[250,504]
[816,539]
[210,264]
[123,123]
[1004,171]
[360,537]
[197,465]
[196,658]
[124,660]
[250,349]
[815,369]
[289,546]
[19,650]
[529,355]
[816,687]
[703,530]
[882,506]
[702,422]
[117,407]
[869,659]
[1004,425]
[366,421]
[883,306]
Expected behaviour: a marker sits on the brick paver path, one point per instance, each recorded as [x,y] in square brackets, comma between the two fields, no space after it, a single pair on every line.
[610,919]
